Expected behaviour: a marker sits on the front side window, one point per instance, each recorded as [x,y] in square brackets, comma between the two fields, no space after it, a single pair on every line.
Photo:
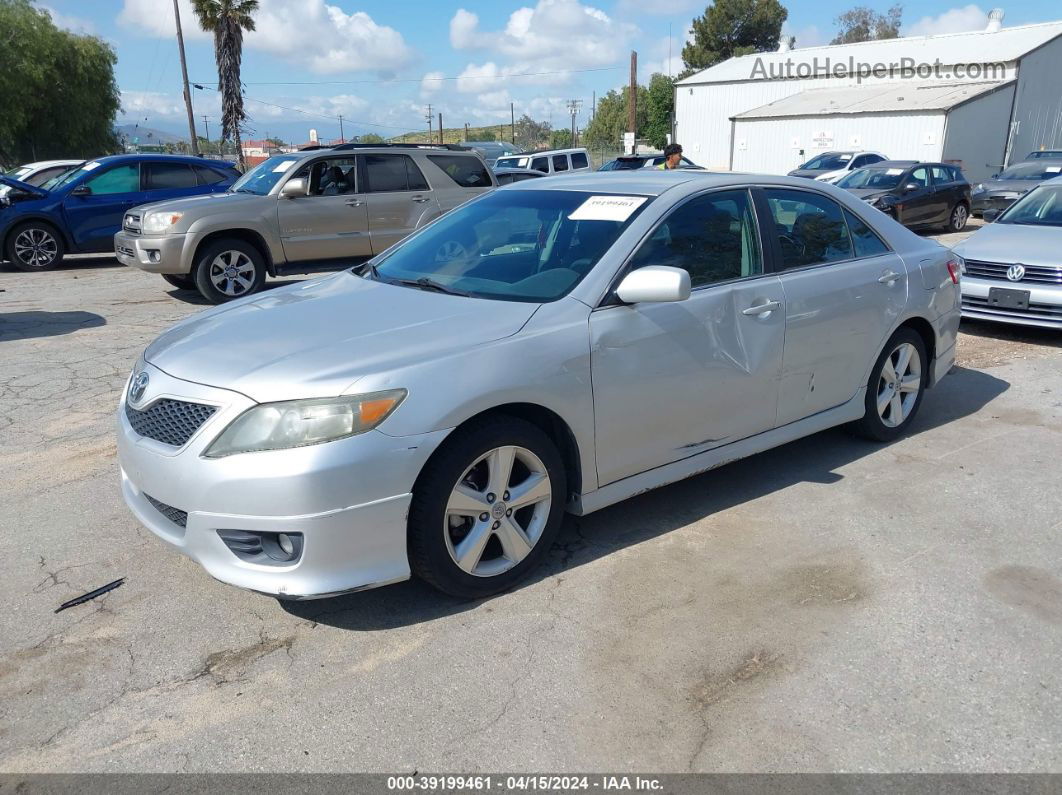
[540,164]
[120,179]
[163,176]
[919,178]
[520,245]
[391,173]
[468,172]
[712,237]
[811,228]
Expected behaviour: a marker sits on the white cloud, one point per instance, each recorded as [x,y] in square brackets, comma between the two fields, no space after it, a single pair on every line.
[432,83]
[322,37]
[954,20]
[71,23]
[149,104]
[555,34]
[807,36]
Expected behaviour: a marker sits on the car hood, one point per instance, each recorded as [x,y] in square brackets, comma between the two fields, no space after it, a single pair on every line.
[316,338]
[1009,185]
[15,184]
[1008,243]
[867,193]
[207,202]
[808,172]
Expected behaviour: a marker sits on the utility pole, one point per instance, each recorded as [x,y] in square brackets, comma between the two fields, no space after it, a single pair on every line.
[441,141]
[573,109]
[342,138]
[593,107]
[632,102]
[512,121]
[428,116]
[184,77]
[206,125]
[466,130]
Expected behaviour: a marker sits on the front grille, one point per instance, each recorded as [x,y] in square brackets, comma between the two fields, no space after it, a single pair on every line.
[131,224]
[168,421]
[1035,311]
[175,515]
[1040,274]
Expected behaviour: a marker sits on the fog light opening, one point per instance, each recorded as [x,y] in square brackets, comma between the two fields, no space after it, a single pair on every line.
[285,544]
[267,549]
[153,255]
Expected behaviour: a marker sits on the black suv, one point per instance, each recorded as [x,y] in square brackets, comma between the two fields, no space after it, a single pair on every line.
[915,194]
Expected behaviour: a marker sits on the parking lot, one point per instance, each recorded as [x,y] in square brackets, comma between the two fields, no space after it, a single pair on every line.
[829,605]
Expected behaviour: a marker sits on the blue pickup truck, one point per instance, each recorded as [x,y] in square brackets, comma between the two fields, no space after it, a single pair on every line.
[80,211]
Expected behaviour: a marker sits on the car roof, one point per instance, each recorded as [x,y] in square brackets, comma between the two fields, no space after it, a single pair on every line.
[901,164]
[50,163]
[508,170]
[651,182]
[135,157]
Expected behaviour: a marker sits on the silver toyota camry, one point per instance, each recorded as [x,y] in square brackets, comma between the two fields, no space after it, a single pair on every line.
[554,346]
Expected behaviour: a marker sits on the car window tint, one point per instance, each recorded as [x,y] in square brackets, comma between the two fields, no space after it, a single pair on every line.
[560,162]
[120,179]
[468,172]
[208,176]
[712,237]
[384,173]
[866,241]
[956,174]
[920,177]
[415,176]
[941,174]
[44,175]
[811,228]
[335,176]
[579,160]
[540,164]
[163,176]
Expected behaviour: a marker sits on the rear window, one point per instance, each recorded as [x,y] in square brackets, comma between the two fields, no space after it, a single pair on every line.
[579,160]
[468,172]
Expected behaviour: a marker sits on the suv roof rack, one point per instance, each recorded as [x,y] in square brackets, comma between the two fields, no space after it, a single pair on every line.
[453,147]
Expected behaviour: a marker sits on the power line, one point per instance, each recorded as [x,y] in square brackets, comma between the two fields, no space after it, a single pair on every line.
[424,79]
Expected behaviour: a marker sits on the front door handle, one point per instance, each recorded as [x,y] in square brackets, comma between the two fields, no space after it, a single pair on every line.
[889,277]
[421,199]
[761,309]
[355,203]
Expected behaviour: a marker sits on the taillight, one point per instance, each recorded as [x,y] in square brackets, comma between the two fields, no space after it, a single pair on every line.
[954,269]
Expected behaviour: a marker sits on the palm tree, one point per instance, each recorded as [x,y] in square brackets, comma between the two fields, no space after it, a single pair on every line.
[227,20]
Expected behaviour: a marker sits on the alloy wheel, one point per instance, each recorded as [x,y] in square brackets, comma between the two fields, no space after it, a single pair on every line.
[959,217]
[899,384]
[497,511]
[232,273]
[36,247]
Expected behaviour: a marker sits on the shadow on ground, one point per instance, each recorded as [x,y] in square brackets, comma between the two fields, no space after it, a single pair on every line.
[1030,335]
[814,459]
[28,325]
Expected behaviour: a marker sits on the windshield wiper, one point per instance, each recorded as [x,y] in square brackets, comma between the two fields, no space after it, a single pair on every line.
[424,283]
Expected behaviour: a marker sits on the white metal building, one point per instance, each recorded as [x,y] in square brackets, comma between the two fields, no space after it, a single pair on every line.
[981,99]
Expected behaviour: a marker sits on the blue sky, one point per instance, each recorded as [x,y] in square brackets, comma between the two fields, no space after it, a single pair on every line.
[379,63]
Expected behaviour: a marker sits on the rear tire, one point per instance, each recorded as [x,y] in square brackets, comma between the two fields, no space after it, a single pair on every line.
[894,392]
[960,216]
[228,269]
[486,508]
[179,281]
[35,246]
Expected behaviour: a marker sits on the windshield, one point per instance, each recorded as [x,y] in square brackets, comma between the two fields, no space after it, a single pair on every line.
[830,160]
[884,178]
[1039,207]
[18,173]
[1048,153]
[261,179]
[514,245]
[59,178]
[511,162]
[1032,171]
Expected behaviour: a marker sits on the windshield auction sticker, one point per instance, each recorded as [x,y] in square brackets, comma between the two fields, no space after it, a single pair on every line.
[607,208]
[284,166]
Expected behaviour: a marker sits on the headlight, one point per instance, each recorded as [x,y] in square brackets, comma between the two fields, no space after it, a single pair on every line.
[155,223]
[297,423]
[979,188]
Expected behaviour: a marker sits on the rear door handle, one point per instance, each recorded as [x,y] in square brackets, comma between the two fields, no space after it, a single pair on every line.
[761,309]
[421,199]
[355,203]
[889,277]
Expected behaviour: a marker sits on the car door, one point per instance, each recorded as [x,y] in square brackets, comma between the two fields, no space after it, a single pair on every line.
[162,180]
[671,380]
[397,197]
[331,221]
[844,290]
[919,204]
[94,208]
[947,192]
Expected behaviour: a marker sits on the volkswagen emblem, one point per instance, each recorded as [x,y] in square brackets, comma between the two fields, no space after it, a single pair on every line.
[1016,272]
[136,389]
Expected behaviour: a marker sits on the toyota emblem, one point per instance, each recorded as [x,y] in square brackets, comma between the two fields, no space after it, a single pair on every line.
[139,385]
[1016,272]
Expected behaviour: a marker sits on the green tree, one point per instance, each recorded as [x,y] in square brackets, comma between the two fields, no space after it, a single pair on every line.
[730,28]
[605,130]
[227,20]
[531,134]
[57,90]
[661,102]
[560,139]
[866,24]
[371,138]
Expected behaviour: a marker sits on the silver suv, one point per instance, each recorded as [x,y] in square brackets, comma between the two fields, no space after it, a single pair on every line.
[298,213]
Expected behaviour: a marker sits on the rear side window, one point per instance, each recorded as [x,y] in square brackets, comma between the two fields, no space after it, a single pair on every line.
[579,160]
[866,241]
[941,174]
[811,228]
[163,176]
[208,176]
[540,164]
[468,172]
[560,162]
[388,173]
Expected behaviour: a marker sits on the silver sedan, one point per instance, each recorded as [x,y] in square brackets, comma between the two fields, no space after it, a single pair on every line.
[1013,266]
[554,346]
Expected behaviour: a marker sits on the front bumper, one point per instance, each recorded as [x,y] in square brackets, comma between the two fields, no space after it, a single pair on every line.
[157,254]
[349,498]
[1045,303]
[986,201]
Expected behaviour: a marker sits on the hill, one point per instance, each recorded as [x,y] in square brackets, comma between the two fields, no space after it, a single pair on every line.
[146,135]
[454,135]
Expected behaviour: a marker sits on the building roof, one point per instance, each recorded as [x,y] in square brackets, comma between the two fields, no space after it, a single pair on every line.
[980,47]
[900,97]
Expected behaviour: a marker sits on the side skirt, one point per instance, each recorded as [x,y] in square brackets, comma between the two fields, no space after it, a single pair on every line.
[687,467]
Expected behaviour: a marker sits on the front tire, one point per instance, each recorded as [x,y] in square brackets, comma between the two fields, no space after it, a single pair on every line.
[228,269]
[179,281]
[35,246]
[894,392]
[960,215]
[487,508]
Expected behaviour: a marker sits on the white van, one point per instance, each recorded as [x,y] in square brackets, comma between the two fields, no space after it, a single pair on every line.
[550,161]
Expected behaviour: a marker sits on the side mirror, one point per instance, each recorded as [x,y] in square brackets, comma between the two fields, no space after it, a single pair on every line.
[654,284]
[910,186]
[990,215]
[81,190]
[296,186]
